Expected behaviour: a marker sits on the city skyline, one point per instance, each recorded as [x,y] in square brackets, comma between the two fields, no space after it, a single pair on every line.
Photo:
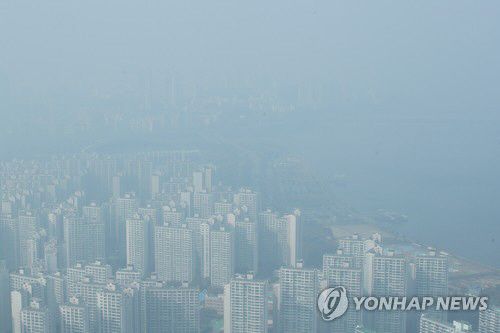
[149,257]
[242,167]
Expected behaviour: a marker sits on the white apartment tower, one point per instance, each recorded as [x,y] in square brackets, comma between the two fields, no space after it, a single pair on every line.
[338,271]
[200,227]
[138,243]
[357,247]
[245,305]
[489,320]
[432,325]
[280,240]
[117,310]
[174,253]
[27,224]
[127,275]
[74,317]
[172,217]
[299,289]
[93,213]
[88,291]
[204,203]
[125,208]
[221,255]
[249,199]
[385,275]
[78,234]
[35,318]
[338,259]
[431,279]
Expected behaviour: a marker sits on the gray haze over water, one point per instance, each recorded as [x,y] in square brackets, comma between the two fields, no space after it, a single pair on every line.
[401,97]
[445,176]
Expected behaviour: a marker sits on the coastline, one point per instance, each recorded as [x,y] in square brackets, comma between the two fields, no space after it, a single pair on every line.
[465,274]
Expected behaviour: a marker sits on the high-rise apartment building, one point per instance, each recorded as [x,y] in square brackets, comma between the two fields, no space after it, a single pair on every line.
[139,239]
[174,252]
[299,289]
[127,275]
[88,294]
[338,259]
[98,271]
[200,227]
[9,250]
[489,320]
[118,310]
[125,208]
[172,309]
[35,318]
[357,247]
[204,203]
[431,279]
[247,199]
[78,234]
[93,213]
[245,305]
[5,310]
[150,212]
[338,271]
[27,224]
[246,250]
[223,208]
[385,275]
[428,324]
[56,295]
[34,284]
[172,217]
[74,317]
[202,179]
[280,240]
[221,255]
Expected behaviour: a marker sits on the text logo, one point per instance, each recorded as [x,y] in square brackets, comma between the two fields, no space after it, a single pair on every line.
[332,303]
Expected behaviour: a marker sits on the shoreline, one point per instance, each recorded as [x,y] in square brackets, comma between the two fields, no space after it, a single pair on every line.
[465,273]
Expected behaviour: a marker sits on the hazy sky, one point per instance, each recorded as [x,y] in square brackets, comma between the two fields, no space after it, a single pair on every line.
[398,56]
[417,81]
